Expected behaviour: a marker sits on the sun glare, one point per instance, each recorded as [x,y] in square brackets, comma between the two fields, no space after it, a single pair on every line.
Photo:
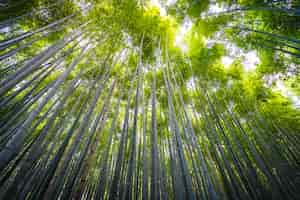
[162,9]
[182,31]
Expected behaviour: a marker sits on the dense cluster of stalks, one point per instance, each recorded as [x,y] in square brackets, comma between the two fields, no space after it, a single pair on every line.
[83,119]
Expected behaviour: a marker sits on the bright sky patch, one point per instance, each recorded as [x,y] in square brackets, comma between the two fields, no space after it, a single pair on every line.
[183,29]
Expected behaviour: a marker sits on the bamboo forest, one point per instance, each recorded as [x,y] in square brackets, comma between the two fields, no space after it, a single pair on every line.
[150,99]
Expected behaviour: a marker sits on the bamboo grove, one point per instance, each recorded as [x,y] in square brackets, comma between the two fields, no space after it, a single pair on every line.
[99,102]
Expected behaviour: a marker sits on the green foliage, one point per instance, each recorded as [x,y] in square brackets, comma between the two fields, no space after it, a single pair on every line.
[184,112]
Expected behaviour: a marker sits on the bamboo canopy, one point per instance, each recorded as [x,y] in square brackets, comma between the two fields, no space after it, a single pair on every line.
[157,99]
